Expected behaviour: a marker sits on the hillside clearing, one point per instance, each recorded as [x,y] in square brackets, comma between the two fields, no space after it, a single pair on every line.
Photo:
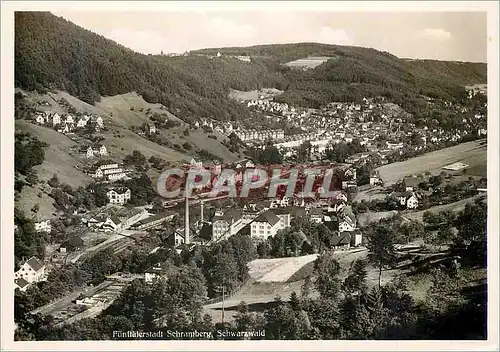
[254,94]
[364,219]
[35,196]
[130,109]
[473,154]
[122,146]
[57,159]
[308,62]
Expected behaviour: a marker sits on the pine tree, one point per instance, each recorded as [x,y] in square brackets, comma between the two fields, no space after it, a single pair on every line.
[295,302]
[381,247]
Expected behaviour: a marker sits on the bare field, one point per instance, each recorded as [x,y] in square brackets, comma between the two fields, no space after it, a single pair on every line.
[277,270]
[473,154]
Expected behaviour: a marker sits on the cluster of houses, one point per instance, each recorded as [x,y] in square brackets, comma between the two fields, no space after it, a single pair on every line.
[93,151]
[260,135]
[283,109]
[43,226]
[113,219]
[68,123]
[148,129]
[225,128]
[264,219]
[371,122]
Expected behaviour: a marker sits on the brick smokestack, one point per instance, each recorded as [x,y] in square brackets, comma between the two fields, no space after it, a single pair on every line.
[186,221]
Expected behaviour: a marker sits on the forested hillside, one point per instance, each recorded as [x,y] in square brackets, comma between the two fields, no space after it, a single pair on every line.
[51,52]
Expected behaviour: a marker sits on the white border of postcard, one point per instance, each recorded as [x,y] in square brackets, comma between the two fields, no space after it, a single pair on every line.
[7,200]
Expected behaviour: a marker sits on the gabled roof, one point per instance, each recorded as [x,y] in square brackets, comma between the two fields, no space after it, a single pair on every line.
[269,217]
[22,283]
[340,238]
[35,264]
[120,190]
[401,194]
[229,216]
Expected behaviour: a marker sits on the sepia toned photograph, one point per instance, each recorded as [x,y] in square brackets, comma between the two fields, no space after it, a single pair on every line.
[209,174]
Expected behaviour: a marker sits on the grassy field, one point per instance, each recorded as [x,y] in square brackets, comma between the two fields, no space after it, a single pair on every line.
[35,196]
[473,154]
[129,109]
[309,62]
[57,159]
[366,218]
[199,140]
[122,146]
[369,193]
[254,94]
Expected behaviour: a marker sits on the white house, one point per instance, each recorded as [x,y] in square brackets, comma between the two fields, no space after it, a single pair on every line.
[153,273]
[151,128]
[119,196]
[107,169]
[111,224]
[90,152]
[226,224]
[43,226]
[116,175]
[65,128]
[56,119]
[412,202]
[39,119]
[99,122]
[249,164]
[177,238]
[103,150]
[268,224]
[347,225]
[81,122]
[316,215]
[196,164]
[374,178]
[69,119]
[32,270]
[347,220]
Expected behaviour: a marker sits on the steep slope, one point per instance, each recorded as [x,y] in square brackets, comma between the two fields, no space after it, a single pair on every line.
[52,52]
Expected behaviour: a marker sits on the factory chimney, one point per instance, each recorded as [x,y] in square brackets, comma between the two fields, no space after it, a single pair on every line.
[201,212]
[186,220]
